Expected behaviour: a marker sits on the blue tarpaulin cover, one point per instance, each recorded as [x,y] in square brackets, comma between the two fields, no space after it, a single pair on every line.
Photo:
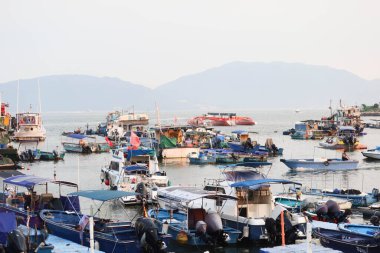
[131,153]
[7,224]
[27,181]
[103,195]
[135,168]
[77,136]
[249,183]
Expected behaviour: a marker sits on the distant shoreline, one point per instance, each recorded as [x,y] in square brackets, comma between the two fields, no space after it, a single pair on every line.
[370,113]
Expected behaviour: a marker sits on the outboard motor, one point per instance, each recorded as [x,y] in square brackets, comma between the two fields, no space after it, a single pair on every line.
[375,193]
[148,235]
[322,211]
[55,153]
[333,208]
[215,228]
[16,242]
[141,188]
[375,220]
[270,226]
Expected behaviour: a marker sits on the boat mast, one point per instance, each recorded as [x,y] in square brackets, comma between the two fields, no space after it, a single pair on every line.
[18,88]
[39,96]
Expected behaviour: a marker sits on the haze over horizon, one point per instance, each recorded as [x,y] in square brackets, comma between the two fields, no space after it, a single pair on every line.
[155,42]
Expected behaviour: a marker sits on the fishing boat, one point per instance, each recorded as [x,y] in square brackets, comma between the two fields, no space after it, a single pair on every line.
[346,242]
[52,156]
[221,119]
[21,238]
[120,123]
[320,164]
[7,164]
[345,139]
[372,153]
[27,205]
[110,235]
[184,211]
[138,172]
[203,157]
[364,230]
[84,144]
[357,197]
[29,127]
[295,204]
[255,207]
[172,142]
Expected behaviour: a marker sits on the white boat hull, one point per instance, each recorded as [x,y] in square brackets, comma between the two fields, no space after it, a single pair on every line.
[372,154]
[169,153]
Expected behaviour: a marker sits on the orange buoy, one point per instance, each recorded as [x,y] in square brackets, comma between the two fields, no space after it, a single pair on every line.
[182,237]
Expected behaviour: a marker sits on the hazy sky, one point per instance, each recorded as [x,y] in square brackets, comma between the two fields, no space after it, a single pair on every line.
[152,42]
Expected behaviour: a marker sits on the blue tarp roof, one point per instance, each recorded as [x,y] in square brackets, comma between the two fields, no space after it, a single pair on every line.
[135,168]
[131,153]
[27,181]
[103,195]
[78,136]
[249,183]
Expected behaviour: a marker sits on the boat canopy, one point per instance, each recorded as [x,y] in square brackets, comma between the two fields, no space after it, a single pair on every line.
[27,181]
[10,173]
[242,175]
[249,183]
[188,194]
[103,195]
[138,152]
[133,168]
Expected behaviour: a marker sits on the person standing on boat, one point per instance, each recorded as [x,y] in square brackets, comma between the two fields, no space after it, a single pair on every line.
[345,157]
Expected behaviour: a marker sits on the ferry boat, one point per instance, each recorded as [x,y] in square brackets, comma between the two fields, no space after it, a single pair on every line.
[29,127]
[221,119]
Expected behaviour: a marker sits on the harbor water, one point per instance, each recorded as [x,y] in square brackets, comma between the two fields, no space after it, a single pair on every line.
[85,169]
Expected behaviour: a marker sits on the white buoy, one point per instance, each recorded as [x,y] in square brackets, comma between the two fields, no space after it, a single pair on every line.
[92,244]
[308,237]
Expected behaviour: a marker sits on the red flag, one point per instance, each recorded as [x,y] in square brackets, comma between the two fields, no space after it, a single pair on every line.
[135,140]
[108,141]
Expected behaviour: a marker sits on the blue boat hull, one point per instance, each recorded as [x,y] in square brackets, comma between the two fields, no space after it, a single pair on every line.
[127,242]
[364,230]
[192,238]
[311,164]
[199,161]
[347,242]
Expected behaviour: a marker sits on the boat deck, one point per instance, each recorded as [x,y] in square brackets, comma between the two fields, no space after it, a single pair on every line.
[65,246]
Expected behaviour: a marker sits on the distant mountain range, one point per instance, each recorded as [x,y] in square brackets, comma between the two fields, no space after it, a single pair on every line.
[233,86]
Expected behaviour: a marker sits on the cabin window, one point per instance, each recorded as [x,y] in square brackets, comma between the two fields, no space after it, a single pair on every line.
[214,188]
[114,166]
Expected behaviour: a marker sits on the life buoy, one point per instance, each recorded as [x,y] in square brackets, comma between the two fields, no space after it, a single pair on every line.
[326,163]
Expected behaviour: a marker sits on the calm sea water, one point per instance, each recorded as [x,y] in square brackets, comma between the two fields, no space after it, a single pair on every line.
[84,169]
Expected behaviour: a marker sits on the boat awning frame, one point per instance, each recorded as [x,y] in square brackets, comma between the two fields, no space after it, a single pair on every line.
[103,195]
[250,183]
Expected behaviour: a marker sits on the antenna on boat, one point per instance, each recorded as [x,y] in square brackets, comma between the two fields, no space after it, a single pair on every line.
[158,117]
[39,95]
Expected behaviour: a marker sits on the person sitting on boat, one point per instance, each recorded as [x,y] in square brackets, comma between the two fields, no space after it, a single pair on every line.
[345,157]
[248,144]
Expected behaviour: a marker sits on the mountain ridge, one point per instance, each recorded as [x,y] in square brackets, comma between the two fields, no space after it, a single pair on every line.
[234,85]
